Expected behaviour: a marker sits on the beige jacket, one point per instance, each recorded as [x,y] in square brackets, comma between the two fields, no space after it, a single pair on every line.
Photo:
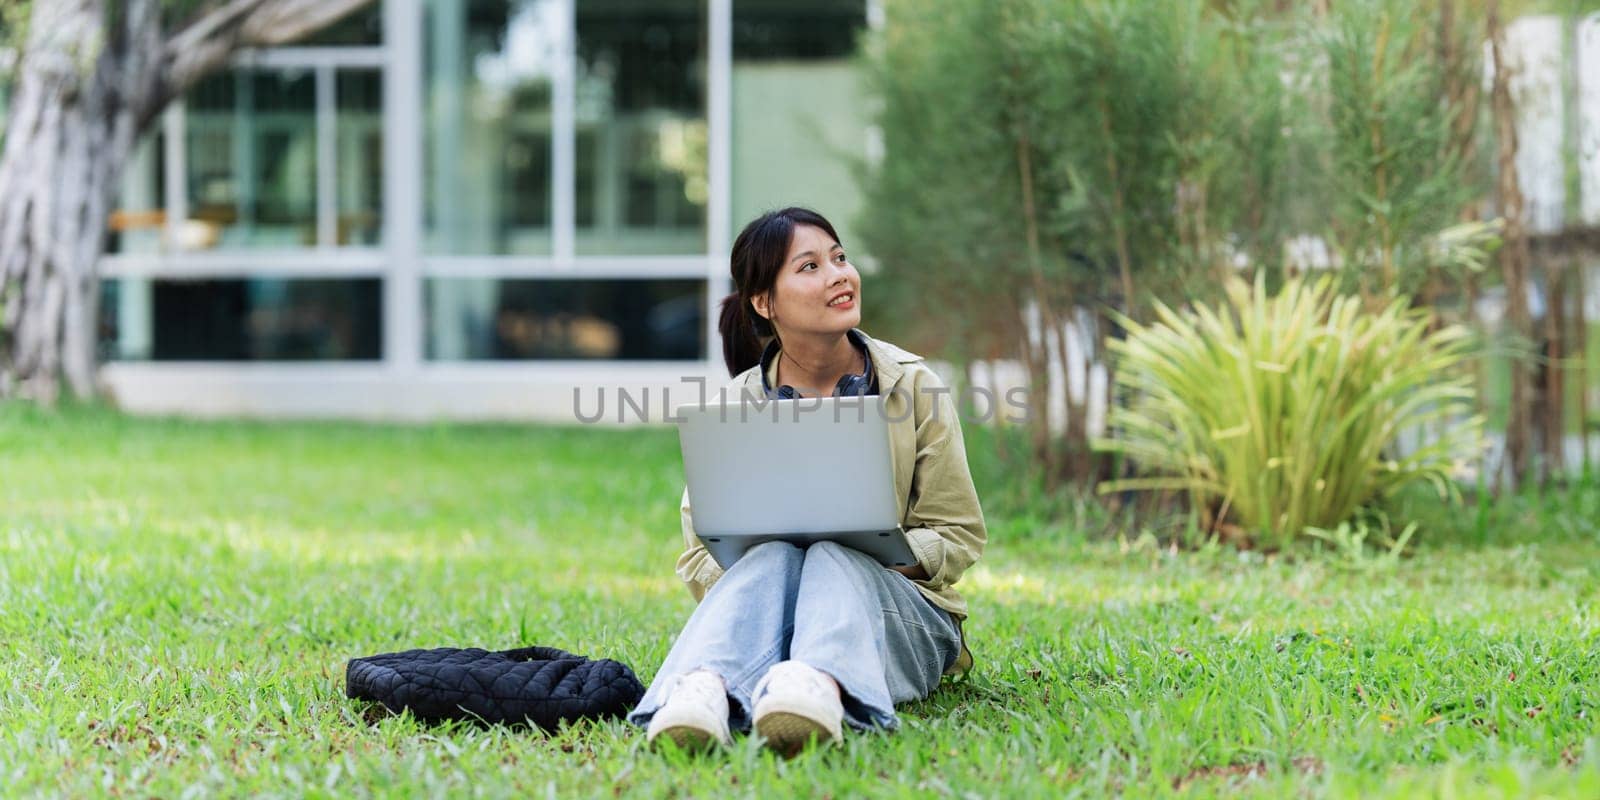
[939,507]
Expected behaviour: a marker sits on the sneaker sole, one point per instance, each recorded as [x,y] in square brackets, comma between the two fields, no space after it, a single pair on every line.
[789,732]
[686,737]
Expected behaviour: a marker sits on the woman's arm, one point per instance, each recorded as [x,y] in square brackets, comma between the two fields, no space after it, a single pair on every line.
[695,566]
[944,519]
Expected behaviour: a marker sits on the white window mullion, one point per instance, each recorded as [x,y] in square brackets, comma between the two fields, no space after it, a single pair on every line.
[327,155]
[174,127]
[344,262]
[719,121]
[563,135]
[402,184]
[353,56]
[598,267]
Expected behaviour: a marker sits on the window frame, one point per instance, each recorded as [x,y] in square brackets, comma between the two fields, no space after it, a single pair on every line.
[399,259]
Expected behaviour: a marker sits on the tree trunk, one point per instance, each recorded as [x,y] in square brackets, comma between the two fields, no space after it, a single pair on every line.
[1037,366]
[1553,411]
[1119,233]
[70,128]
[1048,326]
[92,76]
[1580,329]
[1514,255]
[1462,93]
[1054,453]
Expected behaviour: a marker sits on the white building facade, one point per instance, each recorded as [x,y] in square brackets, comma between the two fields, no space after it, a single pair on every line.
[473,209]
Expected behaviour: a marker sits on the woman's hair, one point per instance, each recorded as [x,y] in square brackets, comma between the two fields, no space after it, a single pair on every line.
[758,255]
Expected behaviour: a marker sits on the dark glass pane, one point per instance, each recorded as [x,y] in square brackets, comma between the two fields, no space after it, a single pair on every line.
[359,28]
[242,319]
[359,161]
[642,172]
[117,334]
[528,179]
[773,30]
[251,151]
[512,319]
[586,177]
[652,54]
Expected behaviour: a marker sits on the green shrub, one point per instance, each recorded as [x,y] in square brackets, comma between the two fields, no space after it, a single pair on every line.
[1284,412]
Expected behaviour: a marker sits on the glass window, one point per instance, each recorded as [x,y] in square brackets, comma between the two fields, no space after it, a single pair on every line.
[252,155]
[363,27]
[242,319]
[771,30]
[642,173]
[486,154]
[797,104]
[358,98]
[252,160]
[512,319]
[140,215]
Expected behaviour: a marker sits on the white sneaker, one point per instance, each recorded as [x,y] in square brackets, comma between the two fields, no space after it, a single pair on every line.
[795,702]
[695,715]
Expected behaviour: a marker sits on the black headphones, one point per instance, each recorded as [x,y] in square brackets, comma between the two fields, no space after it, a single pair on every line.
[848,386]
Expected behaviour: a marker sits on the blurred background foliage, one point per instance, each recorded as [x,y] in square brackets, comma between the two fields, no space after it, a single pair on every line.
[1054,169]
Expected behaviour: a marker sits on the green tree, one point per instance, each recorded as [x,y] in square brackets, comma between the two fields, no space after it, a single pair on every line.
[1049,161]
[1396,170]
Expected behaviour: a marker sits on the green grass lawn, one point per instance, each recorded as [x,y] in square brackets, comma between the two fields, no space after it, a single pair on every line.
[178,600]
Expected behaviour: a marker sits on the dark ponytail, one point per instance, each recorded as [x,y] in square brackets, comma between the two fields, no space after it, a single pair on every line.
[741,343]
[758,255]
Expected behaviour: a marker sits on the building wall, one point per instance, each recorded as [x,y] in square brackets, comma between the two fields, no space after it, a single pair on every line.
[454,209]
[789,151]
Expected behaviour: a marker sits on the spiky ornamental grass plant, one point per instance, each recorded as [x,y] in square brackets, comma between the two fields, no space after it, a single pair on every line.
[1284,411]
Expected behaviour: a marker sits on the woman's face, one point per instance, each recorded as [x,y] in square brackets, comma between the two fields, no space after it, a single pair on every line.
[818,291]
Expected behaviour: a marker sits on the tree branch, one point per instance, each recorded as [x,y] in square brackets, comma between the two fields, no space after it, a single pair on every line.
[205,44]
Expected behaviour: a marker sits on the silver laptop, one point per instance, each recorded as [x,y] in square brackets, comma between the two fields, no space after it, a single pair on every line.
[799,471]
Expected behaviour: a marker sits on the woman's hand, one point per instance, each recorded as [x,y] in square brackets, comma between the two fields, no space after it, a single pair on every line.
[914,572]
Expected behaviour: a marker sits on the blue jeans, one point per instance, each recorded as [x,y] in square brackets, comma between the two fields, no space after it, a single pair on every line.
[834,608]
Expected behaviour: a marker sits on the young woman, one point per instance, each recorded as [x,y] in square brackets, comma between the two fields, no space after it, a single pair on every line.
[799,641]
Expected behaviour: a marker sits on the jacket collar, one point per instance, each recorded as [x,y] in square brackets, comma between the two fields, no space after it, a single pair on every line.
[886,359]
